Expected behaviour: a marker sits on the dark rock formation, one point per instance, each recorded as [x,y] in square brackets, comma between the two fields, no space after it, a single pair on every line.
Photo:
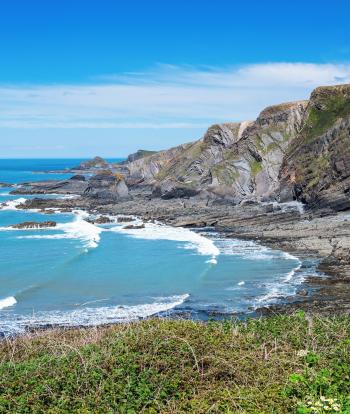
[106,187]
[78,177]
[75,185]
[34,225]
[292,151]
[96,162]
[134,226]
[317,167]
[123,219]
[100,220]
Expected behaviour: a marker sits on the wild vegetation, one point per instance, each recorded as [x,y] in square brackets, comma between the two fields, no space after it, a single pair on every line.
[284,364]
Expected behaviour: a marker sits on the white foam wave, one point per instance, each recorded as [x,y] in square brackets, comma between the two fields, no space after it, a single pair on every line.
[7,302]
[79,229]
[290,274]
[251,250]
[13,204]
[282,287]
[91,316]
[192,240]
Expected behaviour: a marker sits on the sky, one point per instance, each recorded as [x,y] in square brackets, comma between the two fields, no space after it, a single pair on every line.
[105,77]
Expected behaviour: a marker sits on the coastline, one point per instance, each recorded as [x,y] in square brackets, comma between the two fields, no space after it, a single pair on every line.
[318,293]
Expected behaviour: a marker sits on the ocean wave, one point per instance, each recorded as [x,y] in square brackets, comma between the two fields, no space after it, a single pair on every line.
[250,250]
[92,316]
[12,204]
[82,229]
[192,240]
[79,229]
[7,302]
[286,285]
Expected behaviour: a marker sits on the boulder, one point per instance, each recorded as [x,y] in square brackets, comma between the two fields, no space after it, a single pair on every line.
[106,187]
[34,225]
[100,220]
[134,226]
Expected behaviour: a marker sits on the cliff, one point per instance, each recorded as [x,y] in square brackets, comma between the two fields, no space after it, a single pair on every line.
[317,167]
[292,151]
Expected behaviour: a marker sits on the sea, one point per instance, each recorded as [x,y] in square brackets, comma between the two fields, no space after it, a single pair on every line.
[81,274]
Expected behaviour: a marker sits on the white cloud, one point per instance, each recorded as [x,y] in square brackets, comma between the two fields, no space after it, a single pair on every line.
[165,97]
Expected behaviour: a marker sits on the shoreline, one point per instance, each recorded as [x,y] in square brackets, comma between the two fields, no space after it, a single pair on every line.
[272,225]
[287,304]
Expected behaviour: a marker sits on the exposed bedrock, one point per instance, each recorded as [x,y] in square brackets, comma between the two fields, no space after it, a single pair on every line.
[317,166]
[233,161]
[106,187]
[34,225]
[292,151]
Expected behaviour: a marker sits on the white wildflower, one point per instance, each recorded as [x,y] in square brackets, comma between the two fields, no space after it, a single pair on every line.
[302,353]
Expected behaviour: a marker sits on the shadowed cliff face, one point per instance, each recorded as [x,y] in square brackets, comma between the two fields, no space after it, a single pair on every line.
[317,167]
[297,150]
[106,187]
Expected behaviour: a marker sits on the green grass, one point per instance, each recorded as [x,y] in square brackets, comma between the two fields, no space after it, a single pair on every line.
[255,167]
[331,105]
[276,365]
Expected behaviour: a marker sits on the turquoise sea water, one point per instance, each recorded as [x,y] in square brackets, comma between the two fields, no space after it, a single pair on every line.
[81,274]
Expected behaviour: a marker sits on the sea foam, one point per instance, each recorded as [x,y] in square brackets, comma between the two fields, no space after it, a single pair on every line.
[13,204]
[93,316]
[7,302]
[79,229]
[192,240]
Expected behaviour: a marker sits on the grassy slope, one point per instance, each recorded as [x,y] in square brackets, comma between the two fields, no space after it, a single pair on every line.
[179,366]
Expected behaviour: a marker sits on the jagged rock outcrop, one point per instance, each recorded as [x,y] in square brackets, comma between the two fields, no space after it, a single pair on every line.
[34,225]
[235,161]
[95,163]
[316,169]
[106,187]
[138,155]
[75,185]
[292,151]
[144,170]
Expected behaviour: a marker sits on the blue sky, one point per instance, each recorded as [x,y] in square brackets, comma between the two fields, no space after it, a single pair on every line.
[81,78]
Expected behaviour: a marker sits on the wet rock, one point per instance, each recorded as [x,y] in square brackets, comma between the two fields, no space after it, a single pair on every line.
[34,225]
[78,177]
[134,226]
[100,220]
[123,219]
[6,185]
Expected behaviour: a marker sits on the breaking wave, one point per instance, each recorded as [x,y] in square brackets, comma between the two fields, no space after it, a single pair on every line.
[92,316]
[12,204]
[79,229]
[194,241]
[7,302]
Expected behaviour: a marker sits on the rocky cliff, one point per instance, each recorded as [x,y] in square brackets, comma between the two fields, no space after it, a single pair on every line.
[106,187]
[298,150]
[316,169]
[145,170]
